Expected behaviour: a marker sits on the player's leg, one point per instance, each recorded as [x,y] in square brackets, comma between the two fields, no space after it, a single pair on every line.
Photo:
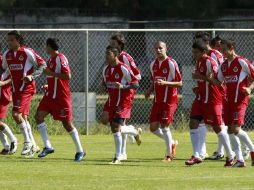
[42,128]
[116,124]
[36,148]
[219,153]
[5,130]
[71,129]
[202,141]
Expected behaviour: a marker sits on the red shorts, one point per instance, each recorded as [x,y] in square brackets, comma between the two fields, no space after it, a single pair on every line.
[4,108]
[22,102]
[163,113]
[210,113]
[235,113]
[60,109]
[119,112]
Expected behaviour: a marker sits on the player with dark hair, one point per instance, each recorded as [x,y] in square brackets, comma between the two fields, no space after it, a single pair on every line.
[57,99]
[216,43]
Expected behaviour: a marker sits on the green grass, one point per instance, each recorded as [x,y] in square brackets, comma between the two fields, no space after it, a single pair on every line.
[143,170]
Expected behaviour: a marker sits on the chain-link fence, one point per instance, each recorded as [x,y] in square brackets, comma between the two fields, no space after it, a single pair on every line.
[85,50]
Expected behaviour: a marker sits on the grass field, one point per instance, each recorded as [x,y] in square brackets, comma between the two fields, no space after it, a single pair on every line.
[143,170]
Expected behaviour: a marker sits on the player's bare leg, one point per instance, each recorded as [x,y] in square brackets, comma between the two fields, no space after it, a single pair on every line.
[6,131]
[42,127]
[36,148]
[104,118]
[23,126]
[194,134]
[224,139]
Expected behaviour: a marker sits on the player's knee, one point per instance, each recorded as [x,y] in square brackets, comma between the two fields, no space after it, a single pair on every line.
[17,116]
[153,127]
[68,125]
[39,118]
[104,121]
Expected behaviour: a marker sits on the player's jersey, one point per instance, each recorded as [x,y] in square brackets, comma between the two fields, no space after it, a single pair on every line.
[120,73]
[216,55]
[20,64]
[208,92]
[236,75]
[129,61]
[166,70]
[5,91]
[58,88]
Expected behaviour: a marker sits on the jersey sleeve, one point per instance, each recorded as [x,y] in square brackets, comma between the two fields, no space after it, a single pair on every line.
[151,71]
[174,71]
[129,61]
[65,68]
[247,67]
[128,75]
[220,75]
[4,62]
[34,58]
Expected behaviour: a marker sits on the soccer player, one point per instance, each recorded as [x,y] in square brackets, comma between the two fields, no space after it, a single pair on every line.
[57,99]
[118,41]
[216,43]
[5,96]
[24,65]
[235,73]
[119,80]
[165,79]
[208,105]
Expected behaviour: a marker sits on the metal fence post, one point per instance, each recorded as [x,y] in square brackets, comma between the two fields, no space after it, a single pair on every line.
[87,82]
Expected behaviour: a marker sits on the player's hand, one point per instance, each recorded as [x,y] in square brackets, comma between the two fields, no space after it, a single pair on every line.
[28,78]
[247,91]
[45,87]
[147,94]
[161,82]
[118,85]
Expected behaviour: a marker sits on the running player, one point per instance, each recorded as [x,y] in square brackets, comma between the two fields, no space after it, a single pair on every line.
[165,79]
[57,99]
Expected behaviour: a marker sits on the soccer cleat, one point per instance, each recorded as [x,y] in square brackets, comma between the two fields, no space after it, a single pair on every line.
[229,162]
[246,154]
[131,139]
[193,160]
[138,137]
[115,161]
[45,152]
[167,159]
[123,157]
[204,156]
[239,164]
[31,153]
[4,152]
[26,148]
[79,156]
[216,156]
[13,147]
[37,149]
[174,148]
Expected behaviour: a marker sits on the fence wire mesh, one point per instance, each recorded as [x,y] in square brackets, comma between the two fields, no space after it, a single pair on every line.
[139,44]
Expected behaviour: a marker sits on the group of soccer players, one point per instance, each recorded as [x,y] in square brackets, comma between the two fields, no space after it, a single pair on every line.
[223,81]
[20,66]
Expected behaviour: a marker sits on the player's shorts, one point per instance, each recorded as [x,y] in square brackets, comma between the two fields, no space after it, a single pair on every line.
[106,107]
[22,102]
[210,113]
[60,109]
[122,112]
[4,108]
[235,113]
[163,113]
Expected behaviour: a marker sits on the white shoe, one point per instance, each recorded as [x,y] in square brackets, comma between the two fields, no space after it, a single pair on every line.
[13,147]
[131,139]
[138,137]
[123,157]
[115,161]
[26,148]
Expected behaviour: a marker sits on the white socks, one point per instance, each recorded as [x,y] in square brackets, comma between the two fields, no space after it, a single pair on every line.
[4,141]
[118,144]
[202,138]
[24,129]
[76,140]
[224,139]
[129,130]
[244,137]
[159,133]
[29,130]
[194,134]
[235,142]
[44,134]
[168,140]
[124,140]
[9,133]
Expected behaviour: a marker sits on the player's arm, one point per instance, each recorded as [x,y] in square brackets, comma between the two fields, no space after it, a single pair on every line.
[5,82]
[132,82]
[64,76]
[249,69]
